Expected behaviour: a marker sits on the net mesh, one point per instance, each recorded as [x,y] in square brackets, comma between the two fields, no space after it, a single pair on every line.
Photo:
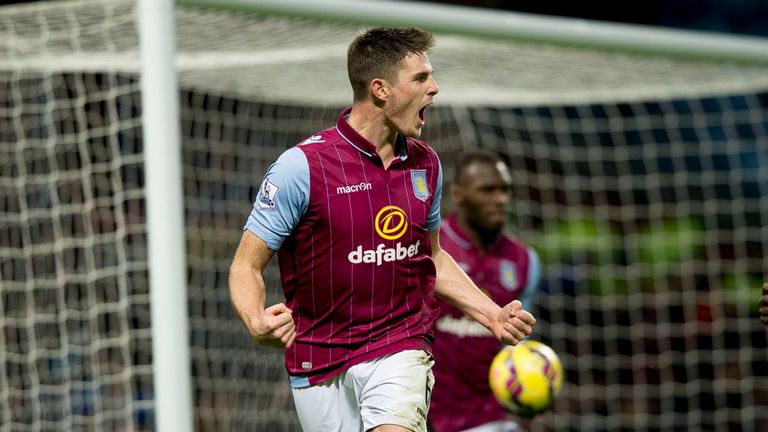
[640,180]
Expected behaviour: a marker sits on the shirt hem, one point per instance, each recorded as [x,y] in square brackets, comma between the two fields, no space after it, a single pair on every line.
[419,344]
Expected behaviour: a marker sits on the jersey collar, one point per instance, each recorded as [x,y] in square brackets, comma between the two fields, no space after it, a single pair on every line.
[453,230]
[360,143]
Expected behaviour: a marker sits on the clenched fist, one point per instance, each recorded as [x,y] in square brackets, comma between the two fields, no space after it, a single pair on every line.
[513,324]
[275,328]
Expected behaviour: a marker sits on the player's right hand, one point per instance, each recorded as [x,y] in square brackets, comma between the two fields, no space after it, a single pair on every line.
[274,328]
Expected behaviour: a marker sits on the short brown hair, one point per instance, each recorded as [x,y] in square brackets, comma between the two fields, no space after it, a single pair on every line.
[377,52]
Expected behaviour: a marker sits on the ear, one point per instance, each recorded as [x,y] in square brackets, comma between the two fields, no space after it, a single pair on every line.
[379,89]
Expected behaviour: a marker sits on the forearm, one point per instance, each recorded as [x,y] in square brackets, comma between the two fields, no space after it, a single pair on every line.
[455,287]
[246,280]
[247,292]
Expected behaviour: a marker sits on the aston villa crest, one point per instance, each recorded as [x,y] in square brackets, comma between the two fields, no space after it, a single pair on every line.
[508,274]
[419,182]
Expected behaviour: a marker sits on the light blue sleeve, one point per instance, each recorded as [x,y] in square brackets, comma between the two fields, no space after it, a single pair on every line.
[283,199]
[433,218]
[534,277]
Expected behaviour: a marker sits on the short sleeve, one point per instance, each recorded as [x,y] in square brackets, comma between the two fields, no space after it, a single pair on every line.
[534,277]
[433,218]
[282,200]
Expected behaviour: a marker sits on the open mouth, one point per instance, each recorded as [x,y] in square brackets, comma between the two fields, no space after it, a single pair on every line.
[422,113]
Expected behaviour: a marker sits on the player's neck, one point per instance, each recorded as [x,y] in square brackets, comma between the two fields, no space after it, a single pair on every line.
[481,238]
[369,122]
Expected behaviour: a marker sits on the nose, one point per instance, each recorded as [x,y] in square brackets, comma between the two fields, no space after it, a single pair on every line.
[501,197]
[435,89]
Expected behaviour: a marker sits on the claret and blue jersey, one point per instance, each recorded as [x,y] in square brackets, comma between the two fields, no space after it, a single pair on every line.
[353,245]
[506,270]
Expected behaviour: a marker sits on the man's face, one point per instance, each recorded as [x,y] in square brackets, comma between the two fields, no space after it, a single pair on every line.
[410,95]
[482,193]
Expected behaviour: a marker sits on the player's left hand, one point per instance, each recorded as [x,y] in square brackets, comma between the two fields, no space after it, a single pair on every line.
[763,304]
[514,323]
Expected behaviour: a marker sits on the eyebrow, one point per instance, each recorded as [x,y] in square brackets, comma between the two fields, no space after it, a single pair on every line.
[423,74]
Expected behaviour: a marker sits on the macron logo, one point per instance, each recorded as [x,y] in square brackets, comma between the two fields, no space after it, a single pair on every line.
[363,186]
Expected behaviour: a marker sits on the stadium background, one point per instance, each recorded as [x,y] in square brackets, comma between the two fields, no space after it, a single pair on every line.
[649,214]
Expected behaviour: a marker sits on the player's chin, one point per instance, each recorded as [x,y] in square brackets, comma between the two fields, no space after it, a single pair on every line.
[413,133]
[495,222]
[419,124]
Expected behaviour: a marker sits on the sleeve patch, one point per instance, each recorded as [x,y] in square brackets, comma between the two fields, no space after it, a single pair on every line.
[267,194]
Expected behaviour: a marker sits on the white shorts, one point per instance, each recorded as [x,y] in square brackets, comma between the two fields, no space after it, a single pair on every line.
[394,389]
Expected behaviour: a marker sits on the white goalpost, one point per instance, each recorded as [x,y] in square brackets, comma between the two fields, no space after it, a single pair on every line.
[165,216]
[640,165]
[509,25]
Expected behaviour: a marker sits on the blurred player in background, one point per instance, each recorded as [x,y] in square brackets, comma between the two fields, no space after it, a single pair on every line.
[353,213]
[763,304]
[504,268]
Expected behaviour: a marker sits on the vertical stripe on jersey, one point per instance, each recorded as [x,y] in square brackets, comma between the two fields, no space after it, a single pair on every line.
[368,193]
[436,172]
[407,180]
[352,224]
[330,231]
[392,285]
[312,290]
[406,184]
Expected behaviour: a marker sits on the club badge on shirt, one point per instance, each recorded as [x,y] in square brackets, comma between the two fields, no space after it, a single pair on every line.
[508,274]
[419,182]
[267,194]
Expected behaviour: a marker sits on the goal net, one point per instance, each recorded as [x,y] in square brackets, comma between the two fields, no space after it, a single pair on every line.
[641,179]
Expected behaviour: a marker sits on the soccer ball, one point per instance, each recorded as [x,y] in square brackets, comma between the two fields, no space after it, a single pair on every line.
[526,378]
